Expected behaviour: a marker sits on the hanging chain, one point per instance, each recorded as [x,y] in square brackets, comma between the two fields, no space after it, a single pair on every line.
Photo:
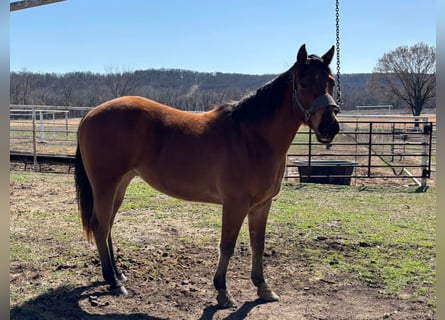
[337,45]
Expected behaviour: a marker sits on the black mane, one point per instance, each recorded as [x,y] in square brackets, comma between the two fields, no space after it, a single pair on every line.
[260,104]
[263,103]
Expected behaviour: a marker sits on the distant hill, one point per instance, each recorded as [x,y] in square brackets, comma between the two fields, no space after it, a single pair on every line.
[184,89]
[355,80]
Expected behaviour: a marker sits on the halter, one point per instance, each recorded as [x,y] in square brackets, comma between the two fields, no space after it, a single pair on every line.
[319,103]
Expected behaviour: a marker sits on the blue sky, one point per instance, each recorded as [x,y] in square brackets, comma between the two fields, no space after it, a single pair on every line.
[240,36]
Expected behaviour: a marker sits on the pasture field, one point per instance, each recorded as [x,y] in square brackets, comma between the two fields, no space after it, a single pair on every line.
[332,252]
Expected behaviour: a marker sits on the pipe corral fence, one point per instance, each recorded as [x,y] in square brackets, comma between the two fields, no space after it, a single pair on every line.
[367,147]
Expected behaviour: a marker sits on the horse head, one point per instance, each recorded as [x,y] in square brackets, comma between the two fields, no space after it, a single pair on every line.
[313,85]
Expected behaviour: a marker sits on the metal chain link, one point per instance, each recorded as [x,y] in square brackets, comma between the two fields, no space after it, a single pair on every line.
[337,45]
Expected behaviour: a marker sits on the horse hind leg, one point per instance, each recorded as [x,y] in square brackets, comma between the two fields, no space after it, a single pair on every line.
[257,228]
[101,236]
[103,219]
[119,198]
[119,274]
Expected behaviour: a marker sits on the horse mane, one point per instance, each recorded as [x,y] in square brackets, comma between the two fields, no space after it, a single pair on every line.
[260,104]
[264,102]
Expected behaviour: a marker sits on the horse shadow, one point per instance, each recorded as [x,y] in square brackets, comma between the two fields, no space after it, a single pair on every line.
[238,314]
[63,303]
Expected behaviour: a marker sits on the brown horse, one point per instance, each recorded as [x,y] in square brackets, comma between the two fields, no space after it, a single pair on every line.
[233,155]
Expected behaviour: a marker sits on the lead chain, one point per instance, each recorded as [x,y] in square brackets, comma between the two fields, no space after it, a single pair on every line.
[337,44]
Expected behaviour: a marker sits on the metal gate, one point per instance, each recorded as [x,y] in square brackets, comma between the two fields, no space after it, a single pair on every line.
[401,148]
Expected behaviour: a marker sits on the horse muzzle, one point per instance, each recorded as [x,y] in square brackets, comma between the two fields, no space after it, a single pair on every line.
[328,126]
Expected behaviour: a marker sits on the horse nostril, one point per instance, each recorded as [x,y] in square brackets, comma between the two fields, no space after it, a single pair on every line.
[329,126]
[335,109]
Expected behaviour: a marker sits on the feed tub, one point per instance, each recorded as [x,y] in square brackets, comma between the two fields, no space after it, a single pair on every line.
[326,171]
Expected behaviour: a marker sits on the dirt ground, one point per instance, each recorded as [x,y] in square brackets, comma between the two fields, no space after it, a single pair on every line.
[175,282]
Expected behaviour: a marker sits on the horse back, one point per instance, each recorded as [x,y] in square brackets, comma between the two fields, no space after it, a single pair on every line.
[200,157]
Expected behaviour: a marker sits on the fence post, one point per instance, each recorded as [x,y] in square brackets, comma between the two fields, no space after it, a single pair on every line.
[42,135]
[370,149]
[426,154]
[54,124]
[393,127]
[34,144]
[66,123]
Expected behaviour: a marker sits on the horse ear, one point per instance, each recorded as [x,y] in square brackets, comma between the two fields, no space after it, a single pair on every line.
[327,57]
[302,54]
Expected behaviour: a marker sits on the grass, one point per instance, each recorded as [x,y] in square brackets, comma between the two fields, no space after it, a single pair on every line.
[384,236]
[381,236]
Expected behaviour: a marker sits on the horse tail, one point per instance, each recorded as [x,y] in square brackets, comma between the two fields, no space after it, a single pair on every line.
[84,194]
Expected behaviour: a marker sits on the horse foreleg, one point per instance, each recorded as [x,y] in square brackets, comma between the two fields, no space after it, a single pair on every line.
[257,228]
[232,219]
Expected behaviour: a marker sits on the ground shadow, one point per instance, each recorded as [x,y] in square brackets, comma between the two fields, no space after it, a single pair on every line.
[63,303]
[237,314]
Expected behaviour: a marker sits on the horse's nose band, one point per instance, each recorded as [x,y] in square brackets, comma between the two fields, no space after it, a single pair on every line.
[322,101]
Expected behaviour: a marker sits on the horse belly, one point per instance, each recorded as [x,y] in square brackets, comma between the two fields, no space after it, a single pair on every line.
[180,184]
[183,173]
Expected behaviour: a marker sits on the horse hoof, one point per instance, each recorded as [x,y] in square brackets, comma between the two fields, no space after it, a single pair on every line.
[119,291]
[121,277]
[225,300]
[266,294]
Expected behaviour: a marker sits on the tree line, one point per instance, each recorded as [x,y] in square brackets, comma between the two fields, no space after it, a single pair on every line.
[183,89]
[186,90]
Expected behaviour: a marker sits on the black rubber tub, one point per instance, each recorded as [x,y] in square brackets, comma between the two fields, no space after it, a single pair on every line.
[326,171]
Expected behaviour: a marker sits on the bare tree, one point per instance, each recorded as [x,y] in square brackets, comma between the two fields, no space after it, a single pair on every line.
[120,83]
[64,90]
[20,87]
[409,74]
